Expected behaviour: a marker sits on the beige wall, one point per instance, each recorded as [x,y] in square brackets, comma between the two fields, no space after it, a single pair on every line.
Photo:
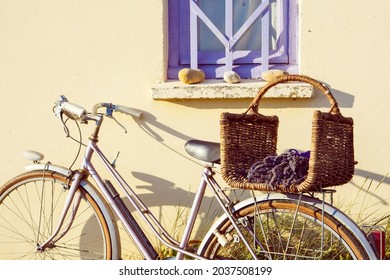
[345,43]
[99,50]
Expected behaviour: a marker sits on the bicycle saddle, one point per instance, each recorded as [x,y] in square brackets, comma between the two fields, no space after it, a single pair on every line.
[203,150]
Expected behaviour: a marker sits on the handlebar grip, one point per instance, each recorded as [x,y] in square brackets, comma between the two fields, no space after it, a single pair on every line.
[73,111]
[128,111]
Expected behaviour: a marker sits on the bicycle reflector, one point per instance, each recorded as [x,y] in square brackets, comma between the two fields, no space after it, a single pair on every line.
[377,238]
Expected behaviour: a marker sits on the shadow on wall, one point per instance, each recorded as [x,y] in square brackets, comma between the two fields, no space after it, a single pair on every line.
[94,242]
[161,193]
[374,177]
[150,125]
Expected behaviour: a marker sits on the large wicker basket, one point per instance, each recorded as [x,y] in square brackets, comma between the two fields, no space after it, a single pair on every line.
[250,137]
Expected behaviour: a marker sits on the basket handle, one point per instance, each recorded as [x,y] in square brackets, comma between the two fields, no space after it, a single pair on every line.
[334,108]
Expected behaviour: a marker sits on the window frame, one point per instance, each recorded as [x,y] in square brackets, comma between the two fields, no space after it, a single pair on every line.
[213,63]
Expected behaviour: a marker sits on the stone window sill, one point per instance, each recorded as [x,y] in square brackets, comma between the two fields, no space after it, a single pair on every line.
[214,89]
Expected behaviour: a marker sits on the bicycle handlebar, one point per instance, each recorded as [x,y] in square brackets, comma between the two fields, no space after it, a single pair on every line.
[78,113]
[128,111]
[73,111]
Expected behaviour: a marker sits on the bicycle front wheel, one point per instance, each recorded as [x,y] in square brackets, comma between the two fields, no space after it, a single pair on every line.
[30,206]
[283,229]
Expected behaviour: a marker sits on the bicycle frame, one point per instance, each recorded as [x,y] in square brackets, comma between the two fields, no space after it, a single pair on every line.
[122,211]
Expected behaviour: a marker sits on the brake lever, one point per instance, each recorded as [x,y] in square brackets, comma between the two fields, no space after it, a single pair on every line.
[121,125]
[109,113]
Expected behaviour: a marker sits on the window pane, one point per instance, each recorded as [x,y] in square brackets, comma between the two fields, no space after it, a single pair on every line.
[242,9]
[215,11]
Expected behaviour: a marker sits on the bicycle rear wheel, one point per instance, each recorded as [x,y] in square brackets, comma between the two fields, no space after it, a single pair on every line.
[283,229]
[30,206]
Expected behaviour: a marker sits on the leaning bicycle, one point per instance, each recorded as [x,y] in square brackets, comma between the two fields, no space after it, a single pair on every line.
[51,212]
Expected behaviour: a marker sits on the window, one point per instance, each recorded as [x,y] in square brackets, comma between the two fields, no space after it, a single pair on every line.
[247,36]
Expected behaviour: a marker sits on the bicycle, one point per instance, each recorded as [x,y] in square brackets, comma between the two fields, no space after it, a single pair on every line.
[51,212]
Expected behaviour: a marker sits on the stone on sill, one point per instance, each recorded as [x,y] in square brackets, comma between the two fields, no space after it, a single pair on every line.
[231,77]
[191,76]
[272,74]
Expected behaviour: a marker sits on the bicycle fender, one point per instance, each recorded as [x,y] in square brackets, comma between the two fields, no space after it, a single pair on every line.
[48,167]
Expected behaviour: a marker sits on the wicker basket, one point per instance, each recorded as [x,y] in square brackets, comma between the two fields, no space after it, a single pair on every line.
[249,137]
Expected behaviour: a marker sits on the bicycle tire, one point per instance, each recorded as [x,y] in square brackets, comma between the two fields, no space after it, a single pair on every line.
[282,236]
[30,205]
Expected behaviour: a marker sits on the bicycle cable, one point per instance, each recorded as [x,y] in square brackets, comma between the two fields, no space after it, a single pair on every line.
[67,133]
